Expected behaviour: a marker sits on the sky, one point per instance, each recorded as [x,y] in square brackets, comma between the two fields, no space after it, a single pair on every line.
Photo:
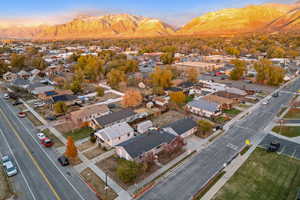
[174,12]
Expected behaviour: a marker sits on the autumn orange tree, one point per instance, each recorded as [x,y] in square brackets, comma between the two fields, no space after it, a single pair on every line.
[178,97]
[192,74]
[161,77]
[71,150]
[132,98]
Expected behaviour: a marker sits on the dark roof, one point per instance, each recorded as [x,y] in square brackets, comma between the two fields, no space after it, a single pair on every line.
[64,97]
[174,89]
[114,117]
[32,86]
[143,143]
[186,85]
[50,93]
[20,82]
[183,125]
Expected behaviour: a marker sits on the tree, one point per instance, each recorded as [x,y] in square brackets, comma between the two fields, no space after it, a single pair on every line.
[71,150]
[17,61]
[115,77]
[161,77]
[239,70]
[167,58]
[267,73]
[3,68]
[148,160]
[60,107]
[175,146]
[132,98]
[39,63]
[158,90]
[100,91]
[76,86]
[275,52]
[127,170]
[178,97]
[204,127]
[232,51]
[192,74]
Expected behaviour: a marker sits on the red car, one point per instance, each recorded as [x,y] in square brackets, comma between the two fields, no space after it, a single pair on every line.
[22,114]
[47,142]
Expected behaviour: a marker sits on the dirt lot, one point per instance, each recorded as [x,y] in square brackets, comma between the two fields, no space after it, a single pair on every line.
[109,165]
[166,118]
[98,185]
[85,145]
[107,96]
[93,152]
[33,119]
[5,190]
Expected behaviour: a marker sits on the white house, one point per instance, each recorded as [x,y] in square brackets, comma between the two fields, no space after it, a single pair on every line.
[114,135]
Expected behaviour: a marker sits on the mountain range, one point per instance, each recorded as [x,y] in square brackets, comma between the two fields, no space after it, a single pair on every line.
[252,18]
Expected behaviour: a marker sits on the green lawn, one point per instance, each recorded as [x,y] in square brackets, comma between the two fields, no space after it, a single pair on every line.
[79,133]
[288,131]
[264,176]
[232,111]
[294,113]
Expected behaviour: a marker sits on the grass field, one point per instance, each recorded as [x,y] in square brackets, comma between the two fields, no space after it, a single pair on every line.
[294,113]
[264,176]
[288,131]
[232,112]
[79,133]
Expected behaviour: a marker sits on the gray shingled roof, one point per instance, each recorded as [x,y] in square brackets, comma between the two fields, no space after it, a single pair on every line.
[183,125]
[114,131]
[204,105]
[143,143]
[114,117]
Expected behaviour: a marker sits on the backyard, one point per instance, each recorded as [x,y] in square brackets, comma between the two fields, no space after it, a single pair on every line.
[264,176]
[288,131]
[166,118]
[232,112]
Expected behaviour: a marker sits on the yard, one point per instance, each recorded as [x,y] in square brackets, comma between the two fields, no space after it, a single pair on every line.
[107,96]
[288,131]
[50,135]
[109,165]
[85,145]
[98,185]
[93,153]
[5,188]
[78,134]
[166,118]
[232,112]
[293,113]
[264,176]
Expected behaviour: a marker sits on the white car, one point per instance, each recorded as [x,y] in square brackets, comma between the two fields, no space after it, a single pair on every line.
[6,96]
[9,167]
[265,102]
[41,136]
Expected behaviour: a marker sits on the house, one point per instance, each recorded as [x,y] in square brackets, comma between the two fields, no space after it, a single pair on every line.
[226,103]
[237,91]
[114,135]
[144,126]
[136,147]
[86,114]
[23,74]
[183,127]
[20,83]
[161,101]
[9,76]
[125,115]
[204,108]
[39,88]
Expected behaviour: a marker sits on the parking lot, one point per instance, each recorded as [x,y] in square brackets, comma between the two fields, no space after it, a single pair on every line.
[287,147]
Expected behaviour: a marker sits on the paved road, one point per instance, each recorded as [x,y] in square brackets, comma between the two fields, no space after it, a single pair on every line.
[292,121]
[189,178]
[45,178]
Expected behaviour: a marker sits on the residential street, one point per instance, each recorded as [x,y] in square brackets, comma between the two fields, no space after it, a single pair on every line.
[187,180]
[39,168]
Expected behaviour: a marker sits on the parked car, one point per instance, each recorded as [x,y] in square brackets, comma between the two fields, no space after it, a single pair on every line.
[274,146]
[41,136]
[39,104]
[6,96]
[21,114]
[47,142]
[51,118]
[17,102]
[63,160]
[276,94]
[10,168]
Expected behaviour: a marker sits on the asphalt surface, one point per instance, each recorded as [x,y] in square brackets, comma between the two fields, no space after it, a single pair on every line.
[292,121]
[188,179]
[287,147]
[42,175]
